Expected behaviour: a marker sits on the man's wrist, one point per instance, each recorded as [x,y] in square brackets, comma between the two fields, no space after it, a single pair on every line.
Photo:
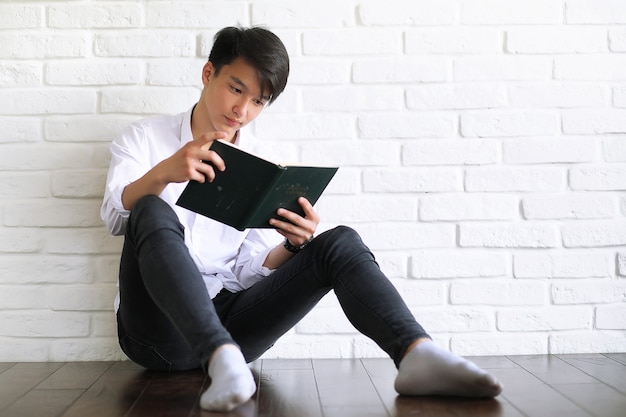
[296,248]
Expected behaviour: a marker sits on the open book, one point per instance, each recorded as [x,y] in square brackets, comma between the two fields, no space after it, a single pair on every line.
[251,189]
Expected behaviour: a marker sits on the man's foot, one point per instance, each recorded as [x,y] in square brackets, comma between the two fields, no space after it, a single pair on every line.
[428,369]
[232,383]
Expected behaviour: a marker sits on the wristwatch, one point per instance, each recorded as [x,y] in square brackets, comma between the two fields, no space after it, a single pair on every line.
[295,249]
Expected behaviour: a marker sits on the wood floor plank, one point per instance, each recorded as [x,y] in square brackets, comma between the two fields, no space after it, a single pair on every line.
[75,375]
[6,365]
[346,384]
[113,394]
[604,369]
[172,394]
[620,357]
[21,378]
[533,397]
[288,392]
[598,399]
[42,403]
[553,370]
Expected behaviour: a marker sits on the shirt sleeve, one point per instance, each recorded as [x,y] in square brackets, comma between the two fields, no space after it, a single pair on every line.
[249,266]
[124,168]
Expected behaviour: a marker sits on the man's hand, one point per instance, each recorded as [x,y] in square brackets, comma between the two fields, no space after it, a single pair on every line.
[184,165]
[187,163]
[297,229]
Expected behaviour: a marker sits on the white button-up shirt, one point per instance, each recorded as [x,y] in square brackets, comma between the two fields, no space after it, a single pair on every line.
[226,257]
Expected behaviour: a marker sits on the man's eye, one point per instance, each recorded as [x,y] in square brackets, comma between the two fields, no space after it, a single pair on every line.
[235,89]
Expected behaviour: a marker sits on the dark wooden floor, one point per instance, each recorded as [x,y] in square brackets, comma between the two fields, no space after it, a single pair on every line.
[542,386]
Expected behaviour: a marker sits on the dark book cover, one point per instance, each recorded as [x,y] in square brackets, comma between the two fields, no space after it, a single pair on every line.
[251,189]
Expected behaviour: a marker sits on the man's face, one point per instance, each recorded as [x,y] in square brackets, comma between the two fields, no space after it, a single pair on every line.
[232,98]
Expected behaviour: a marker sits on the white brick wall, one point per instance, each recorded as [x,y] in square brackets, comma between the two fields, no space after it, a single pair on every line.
[482,145]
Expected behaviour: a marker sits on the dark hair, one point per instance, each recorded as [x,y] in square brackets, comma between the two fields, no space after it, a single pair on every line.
[260,48]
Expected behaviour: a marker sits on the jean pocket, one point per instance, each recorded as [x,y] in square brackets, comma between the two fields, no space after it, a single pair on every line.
[144,355]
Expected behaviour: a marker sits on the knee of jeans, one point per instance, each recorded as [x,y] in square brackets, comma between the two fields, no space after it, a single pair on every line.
[155,212]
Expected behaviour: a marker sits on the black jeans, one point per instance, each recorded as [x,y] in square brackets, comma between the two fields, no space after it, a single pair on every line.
[167,321]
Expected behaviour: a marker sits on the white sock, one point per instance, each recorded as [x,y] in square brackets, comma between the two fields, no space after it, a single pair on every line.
[428,369]
[232,382]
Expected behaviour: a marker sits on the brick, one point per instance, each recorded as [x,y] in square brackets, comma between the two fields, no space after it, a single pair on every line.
[83,241]
[611,317]
[35,46]
[351,42]
[548,150]
[406,125]
[53,213]
[495,12]
[496,343]
[311,71]
[90,128]
[594,233]
[187,14]
[468,207]
[24,185]
[82,298]
[555,40]
[22,350]
[592,11]
[455,96]
[78,184]
[311,346]
[368,208]
[588,292]
[144,44]
[351,99]
[302,14]
[617,40]
[48,101]
[351,153]
[453,41]
[407,235]
[22,297]
[304,126]
[45,157]
[595,178]
[619,97]
[455,319]
[20,74]
[90,349]
[417,293]
[400,70]
[103,325]
[509,123]
[414,13]
[569,207]
[539,179]
[614,149]
[43,324]
[621,264]
[325,321]
[20,129]
[20,16]
[393,264]
[457,264]
[20,240]
[545,319]
[94,72]
[585,342]
[557,264]
[22,268]
[107,268]
[580,67]
[508,235]
[101,16]
[412,180]
[594,121]
[450,152]
[558,95]
[148,100]
[500,293]
[175,72]
[502,68]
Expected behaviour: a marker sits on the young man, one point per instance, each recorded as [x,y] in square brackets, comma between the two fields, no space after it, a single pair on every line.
[196,293]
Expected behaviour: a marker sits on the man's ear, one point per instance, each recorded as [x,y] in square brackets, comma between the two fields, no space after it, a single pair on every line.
[207,72]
